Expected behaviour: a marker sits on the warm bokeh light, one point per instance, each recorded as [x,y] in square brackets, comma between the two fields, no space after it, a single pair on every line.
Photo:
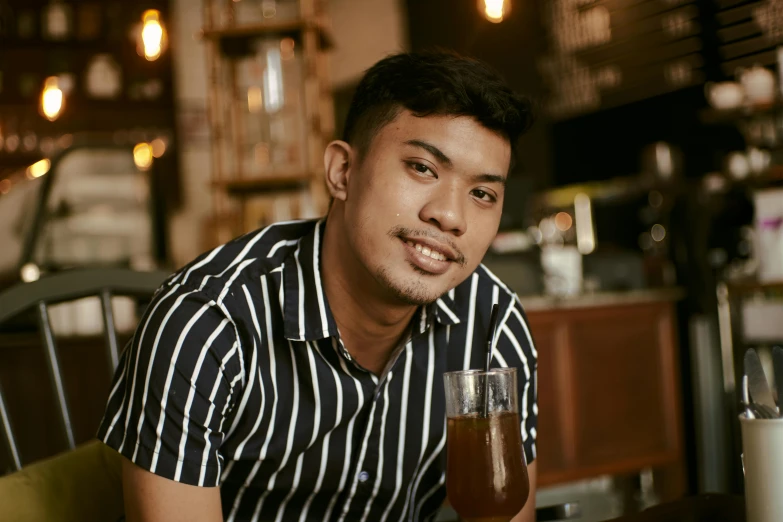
[658,232]
[495,10]
[65,141]
[585,233]
[142,156]
[5,186]
[563,221]
[152,34]
[547,228]
[274,93]
[158,147]
[38,169]
[287,48]
[52,99]
[255,99]
[30,272]
[535,233]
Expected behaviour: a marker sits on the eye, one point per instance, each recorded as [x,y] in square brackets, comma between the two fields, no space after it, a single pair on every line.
[421,168]
[483,195]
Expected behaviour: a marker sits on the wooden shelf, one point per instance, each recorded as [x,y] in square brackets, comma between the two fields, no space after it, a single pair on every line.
[242,203]
[748,286]
[711,116]
[293,28]
[264,184]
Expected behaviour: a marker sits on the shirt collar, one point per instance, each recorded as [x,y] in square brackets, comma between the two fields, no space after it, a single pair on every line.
[446,310]
[306,311]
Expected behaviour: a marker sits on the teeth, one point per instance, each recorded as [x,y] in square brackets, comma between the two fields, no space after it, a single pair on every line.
[427,251]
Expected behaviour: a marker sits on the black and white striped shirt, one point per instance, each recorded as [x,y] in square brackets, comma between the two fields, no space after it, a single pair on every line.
[236,377]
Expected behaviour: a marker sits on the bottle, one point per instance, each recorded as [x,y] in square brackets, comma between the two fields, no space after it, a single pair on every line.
[57,22]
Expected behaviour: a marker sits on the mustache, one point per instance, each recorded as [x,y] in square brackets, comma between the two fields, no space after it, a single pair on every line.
[401,231]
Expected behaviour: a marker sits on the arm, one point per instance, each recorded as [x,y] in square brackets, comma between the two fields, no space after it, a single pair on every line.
[151,498]
[165,412]
[528,513]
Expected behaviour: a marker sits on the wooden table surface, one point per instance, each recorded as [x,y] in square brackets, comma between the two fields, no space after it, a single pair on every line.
[702,508]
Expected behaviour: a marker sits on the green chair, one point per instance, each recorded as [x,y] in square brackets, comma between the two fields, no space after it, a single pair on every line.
[80,485]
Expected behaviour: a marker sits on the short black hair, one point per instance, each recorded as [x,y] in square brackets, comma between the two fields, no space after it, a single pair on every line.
[435,83]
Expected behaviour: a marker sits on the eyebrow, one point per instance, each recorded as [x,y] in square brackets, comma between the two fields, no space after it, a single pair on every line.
[489,178]
[432,149]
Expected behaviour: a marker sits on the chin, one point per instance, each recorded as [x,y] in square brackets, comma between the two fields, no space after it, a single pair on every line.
[417,288]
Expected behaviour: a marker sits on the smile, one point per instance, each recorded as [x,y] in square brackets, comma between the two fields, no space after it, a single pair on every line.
[427,251]
[425,258]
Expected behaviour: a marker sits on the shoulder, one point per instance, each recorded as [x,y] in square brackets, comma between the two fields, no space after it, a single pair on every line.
[263,251]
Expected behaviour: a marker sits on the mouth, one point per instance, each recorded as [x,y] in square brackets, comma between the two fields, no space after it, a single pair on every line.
[428,257]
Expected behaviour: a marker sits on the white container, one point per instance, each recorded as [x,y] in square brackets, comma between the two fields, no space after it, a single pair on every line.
[724,95]
[758,84]
[762,320]
[769,234]
[762,448]
[562,266]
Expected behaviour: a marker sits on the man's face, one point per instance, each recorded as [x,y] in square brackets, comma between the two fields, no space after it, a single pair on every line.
[424,203]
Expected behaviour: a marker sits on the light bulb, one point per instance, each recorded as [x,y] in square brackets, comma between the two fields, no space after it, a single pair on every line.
[142,156]
[39,168]
[52,99]
[152,34]
[30,272]
[495,10]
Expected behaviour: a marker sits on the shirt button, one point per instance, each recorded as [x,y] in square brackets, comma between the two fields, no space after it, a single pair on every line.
[364,477]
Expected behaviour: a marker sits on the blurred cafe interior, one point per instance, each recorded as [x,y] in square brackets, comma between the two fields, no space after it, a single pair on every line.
[642,225]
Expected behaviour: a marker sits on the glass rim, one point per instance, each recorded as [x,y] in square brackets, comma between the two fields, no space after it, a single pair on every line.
[492,371]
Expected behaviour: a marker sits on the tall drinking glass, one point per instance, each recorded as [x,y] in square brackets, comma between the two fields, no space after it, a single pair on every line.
[486,476]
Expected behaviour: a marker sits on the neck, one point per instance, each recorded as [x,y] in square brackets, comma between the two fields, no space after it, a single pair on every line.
[371,325]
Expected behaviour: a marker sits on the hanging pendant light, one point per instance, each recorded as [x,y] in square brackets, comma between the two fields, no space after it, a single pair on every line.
[153,35]
[495,10]
[52,99]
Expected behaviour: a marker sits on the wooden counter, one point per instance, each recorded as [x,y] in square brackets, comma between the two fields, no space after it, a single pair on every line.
[609,387]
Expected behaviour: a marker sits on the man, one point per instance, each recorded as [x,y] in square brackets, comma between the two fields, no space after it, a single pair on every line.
[295,373]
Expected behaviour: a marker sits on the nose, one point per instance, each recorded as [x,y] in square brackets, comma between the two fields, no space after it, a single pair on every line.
[446,211]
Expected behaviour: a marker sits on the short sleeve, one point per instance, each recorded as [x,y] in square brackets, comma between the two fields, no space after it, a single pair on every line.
[515,349]
[174,386]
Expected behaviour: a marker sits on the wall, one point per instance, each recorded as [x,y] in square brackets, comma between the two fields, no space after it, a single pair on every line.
[364,32]
[190,82]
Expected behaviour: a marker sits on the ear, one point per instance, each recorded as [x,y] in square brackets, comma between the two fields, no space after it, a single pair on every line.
[338,159]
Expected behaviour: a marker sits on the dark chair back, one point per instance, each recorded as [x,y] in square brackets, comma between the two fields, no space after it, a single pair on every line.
[62,287]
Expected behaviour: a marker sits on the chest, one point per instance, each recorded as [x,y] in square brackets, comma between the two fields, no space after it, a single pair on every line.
[320,412]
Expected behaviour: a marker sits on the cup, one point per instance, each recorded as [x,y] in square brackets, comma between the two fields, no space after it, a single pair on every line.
[724,95]
[758,84]
[762,447]
[486,475]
